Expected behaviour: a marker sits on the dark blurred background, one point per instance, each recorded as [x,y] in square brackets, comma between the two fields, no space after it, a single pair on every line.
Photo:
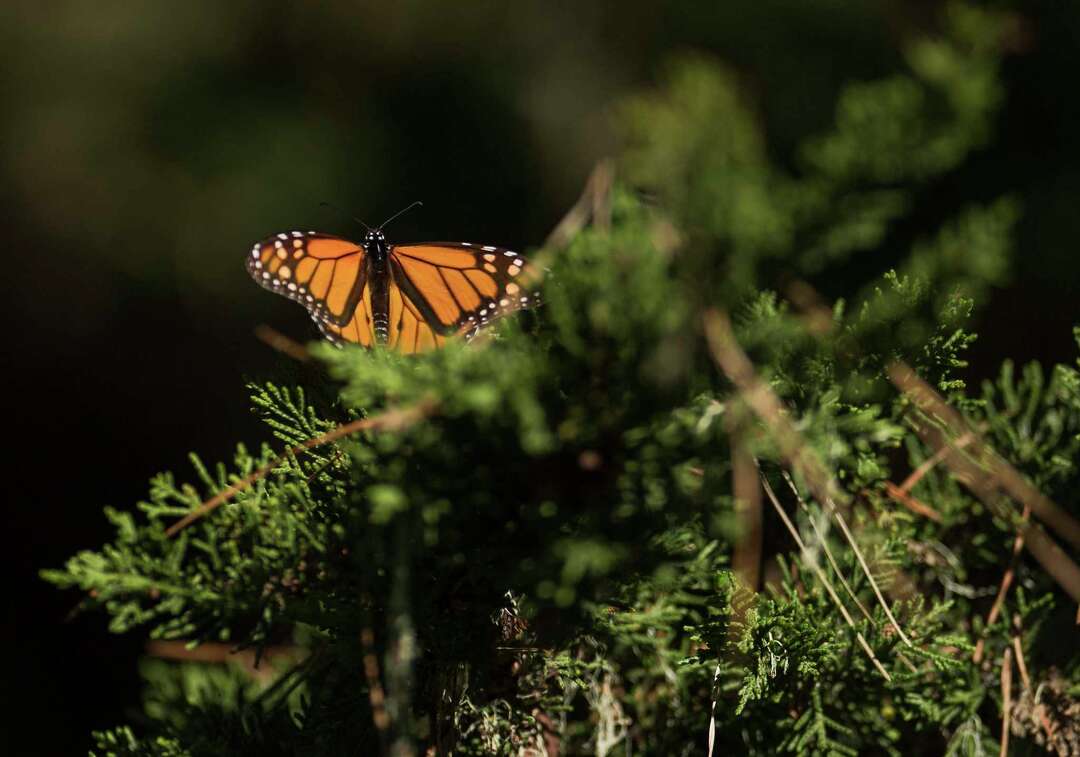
[145,146]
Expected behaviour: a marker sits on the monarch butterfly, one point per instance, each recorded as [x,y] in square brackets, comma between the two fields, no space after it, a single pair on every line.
[409,297]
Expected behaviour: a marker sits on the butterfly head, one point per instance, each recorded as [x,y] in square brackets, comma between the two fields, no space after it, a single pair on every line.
[375,244]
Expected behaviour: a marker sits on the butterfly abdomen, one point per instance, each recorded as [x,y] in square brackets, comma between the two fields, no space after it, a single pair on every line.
[380,290]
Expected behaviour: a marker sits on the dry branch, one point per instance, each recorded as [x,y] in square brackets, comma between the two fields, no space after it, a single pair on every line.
[799,455]
[985,473]
[594,204]
[995,470]
[214,652]
[811,563]
[825,546]
[928,464]
[1006,700]
[899,494]
[394,419]
[1006,582]
[746,562]
[283,344]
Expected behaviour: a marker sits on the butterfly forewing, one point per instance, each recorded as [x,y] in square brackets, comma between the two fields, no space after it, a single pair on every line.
[325,274]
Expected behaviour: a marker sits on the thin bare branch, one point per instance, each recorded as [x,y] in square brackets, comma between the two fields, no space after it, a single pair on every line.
[998,470]
[1006,582]
[985,473]
[928,464]
[1021,665]
[376,696]
[746,561]
[1006,700]
[811,563]
[394,419]
[900,494]
[283,344]
[594,203]
[817,317]
[825,545]
[214,652]
[799,455]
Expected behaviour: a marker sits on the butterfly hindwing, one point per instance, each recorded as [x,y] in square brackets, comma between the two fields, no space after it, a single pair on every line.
[324,273]
[453,287]
[409,330]
[359,329]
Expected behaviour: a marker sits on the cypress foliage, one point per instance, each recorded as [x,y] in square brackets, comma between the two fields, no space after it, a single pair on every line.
[544,542]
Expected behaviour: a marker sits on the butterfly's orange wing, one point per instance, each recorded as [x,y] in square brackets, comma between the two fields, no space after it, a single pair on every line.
[325,274]
[438,289]
[358,329]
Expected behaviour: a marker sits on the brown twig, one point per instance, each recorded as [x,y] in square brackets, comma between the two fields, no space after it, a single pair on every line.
[985,473]
[813,565]
[799,455]
[817,317]
[825,546]
[283,344]
[311,476]
[746,561]
[1006,582]
[1021,665]
[594,203]
[999,471]
[1006,699]
[375,690]
[928,464]
[212,652]
[899,494]
[393,419]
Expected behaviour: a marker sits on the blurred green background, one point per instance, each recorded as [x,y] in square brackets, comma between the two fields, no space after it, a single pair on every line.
[145,145]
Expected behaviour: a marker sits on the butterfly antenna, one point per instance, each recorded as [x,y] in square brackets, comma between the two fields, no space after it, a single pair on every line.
[391,218]
[339,210]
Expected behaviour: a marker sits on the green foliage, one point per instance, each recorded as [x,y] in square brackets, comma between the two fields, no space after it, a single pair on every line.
[546,556]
